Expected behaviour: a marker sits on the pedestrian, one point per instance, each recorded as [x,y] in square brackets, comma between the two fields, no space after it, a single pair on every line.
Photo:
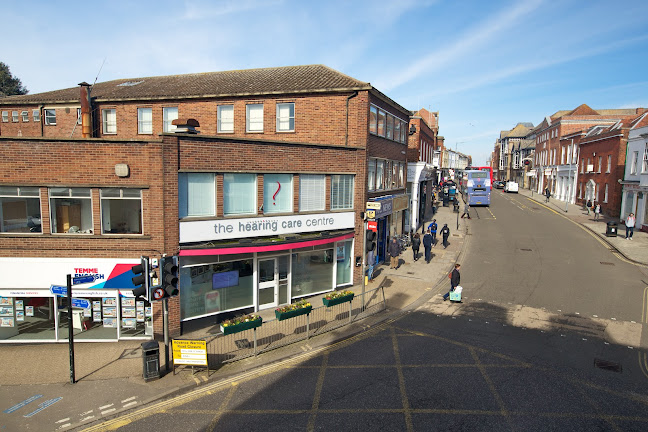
[371,262]
[427,245]
[630,224]
[455,278]
[394,251]
[445,232]
[416,245]
[547,194]
[589,206]
[597,211]
[466,211]
[432,228]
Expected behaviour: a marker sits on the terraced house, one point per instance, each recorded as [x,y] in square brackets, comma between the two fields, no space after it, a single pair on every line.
[254,179]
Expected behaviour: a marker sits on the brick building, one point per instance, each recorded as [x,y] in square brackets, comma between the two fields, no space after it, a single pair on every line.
[262,206]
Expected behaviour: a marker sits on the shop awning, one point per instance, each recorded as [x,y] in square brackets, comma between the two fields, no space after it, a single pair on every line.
[263,248]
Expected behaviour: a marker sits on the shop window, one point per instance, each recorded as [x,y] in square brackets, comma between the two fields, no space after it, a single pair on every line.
[312,272]
[145,120]
[109,120]
[98,322]
[197,194]
[277,193]
[211,288]
[20,209]
[344,257]
[71,210]
[286,117]
[50,117]
[36,115]
[225,114]
[341,192]
[373,120]
[254,118]
[121,211]
[239,194]
[168,115]
[312,192]
[27,319]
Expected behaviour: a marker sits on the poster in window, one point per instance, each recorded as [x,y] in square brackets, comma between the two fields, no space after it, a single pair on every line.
[109,301]
[6,322]
[87,313]
[6,311]
[341,253]
[20,315]
[29,311]
[4,301]
[128,312]
[225,279]
[128,301]
[96,316]
[140,311]
[20,305]
[128,322]
[110,322]
[96,305]
[110,312]
[149,311]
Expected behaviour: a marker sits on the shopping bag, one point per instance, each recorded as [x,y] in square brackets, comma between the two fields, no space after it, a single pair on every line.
[456,294]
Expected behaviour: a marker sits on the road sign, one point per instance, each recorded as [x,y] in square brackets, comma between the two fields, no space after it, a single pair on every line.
[189,352]
[80,303]
[83,279]
[371,214]
[373,205]
[58,290]
[158,293]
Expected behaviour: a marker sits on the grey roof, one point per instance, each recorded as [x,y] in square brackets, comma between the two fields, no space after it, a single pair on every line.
[278,80]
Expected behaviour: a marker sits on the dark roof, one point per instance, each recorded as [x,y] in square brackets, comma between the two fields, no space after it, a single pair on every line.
[278,80]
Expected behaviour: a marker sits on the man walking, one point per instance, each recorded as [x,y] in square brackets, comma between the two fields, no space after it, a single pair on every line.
[445,233]
[547,194]
[455,278]
[589,206]
[416,245]
[427,245]
[466,211]
[630,224]
[432,229]
[394,251]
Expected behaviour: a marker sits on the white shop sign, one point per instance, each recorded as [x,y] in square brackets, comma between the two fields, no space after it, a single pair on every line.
[225,229]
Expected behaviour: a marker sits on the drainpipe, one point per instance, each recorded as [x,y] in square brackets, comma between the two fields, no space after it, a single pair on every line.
[40,110]
[346,136]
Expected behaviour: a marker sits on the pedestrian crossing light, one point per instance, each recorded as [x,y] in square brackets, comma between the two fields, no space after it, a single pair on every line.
[141,279]
[169,276]
[370,235]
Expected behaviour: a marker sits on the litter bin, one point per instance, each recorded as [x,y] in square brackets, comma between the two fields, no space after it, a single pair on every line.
[446,201]
[611,230]
[456,207]
[151,360]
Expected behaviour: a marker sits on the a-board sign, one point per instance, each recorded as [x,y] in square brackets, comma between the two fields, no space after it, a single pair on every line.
[189,352]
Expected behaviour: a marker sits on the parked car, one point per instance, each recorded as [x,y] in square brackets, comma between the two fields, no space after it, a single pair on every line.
[511,187]
[498,184]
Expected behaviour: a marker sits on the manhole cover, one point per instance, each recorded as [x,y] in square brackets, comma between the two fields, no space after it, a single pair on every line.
[608,365]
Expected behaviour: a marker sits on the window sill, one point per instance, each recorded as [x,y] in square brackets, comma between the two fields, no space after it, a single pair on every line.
[286,131]
[253,132]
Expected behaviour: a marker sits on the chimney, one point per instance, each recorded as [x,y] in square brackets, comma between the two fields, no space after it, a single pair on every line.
[86,124]
[186,125]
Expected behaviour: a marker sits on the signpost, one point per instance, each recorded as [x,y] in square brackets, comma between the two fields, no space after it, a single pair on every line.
[83,279]
[58,290]
[80,303]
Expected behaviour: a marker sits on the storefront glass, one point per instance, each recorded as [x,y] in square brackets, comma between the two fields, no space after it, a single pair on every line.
[312,272]
[27,318]
[344,258]
[99,322]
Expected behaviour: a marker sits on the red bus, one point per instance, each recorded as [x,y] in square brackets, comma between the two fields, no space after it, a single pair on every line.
[485,168]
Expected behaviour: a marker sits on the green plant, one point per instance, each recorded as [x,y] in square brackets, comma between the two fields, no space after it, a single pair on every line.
[337,294]
[239,320]
[291,307]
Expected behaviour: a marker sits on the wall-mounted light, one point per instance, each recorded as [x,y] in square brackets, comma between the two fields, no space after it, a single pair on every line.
[412,129]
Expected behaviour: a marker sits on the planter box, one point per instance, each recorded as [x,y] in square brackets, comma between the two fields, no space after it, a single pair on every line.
[293,313]
[338,300]
[242,326]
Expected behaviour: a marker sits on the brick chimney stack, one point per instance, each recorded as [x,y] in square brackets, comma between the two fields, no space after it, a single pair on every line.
[86,123]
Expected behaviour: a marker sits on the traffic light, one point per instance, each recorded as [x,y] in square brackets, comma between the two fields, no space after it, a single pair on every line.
[169,275]
[141,280]
[370,235]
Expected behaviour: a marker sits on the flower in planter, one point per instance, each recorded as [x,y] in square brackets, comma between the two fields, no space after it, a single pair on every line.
[291,307]
[239,320]
[337,294]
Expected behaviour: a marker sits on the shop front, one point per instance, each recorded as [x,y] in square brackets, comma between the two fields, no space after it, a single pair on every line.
[262,263]
[31,311]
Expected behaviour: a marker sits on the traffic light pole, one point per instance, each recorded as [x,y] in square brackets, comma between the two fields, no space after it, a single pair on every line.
[364,258]
[165,304]
[70,328]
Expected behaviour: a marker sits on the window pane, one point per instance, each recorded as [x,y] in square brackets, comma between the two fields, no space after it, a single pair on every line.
[286,117]
[277,193]
[226,118]
[70,215]
[20,214]
[341,192]
[344,253]
[36,115]
[50,116]
[109,121]
[373,120]
[380,171]
[109,193]
[144,120]
[168,115]
[397,130]
[312,272]
[381,123]
[254,118]
[197,195]
[371,174]
[390,126]
[312,192]
[119,215]
[239,194]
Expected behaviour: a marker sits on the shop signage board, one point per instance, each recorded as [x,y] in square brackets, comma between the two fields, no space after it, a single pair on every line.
[83,279]
[58,290]
[189,352]
[374,205]
[372,225]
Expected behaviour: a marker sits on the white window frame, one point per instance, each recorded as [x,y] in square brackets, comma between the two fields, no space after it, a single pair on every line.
[121,196]
[289,120]
[341,196]
[605,197]
[167,119]
[14,116]
[197,201]
[50,116]
[635,162]
[109,126]
[74,193]
[36,115]
[644,165]
[25,116]
[609,164]
[224,124]
[600,163]
[312,192]
[24,193]
[79,116]
[5,116]
[251,199]
[254,125]
[144,124]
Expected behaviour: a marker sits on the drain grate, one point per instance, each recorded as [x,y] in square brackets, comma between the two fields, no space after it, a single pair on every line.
[607,263]
[608,365]
[527,250]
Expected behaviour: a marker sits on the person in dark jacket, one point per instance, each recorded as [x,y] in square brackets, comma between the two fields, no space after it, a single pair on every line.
[445,233]
[466,211]
[455,278]
[427,244]
[433,230]
[394,251]
[416,245]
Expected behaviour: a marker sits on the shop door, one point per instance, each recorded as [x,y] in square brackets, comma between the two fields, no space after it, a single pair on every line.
[268,283]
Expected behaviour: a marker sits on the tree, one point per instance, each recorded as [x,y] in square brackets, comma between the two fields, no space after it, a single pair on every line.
[10,85]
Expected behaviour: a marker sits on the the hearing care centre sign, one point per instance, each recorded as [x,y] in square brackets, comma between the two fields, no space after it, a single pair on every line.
[189,352]
[225,229]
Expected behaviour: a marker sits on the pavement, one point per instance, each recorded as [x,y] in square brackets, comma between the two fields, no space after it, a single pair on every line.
[109,375]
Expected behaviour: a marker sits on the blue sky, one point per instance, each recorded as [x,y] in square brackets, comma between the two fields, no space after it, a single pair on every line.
[483,65]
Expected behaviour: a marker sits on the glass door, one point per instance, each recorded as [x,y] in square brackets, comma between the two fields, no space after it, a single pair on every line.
[268,278]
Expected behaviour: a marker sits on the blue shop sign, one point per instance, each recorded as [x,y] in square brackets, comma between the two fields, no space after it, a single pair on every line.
[385,208]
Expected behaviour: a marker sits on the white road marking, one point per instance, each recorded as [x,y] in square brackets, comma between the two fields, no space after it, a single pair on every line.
[87,418]
[129,404]
[63,420]
[65,425]
[108,411]
[129,399]
[101,408]
[86,413]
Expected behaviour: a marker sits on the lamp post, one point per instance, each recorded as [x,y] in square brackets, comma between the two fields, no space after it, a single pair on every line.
[570,158]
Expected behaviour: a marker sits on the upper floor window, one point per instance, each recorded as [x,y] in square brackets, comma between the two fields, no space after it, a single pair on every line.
[5,116]
[20,209]
[341,191]
[50,116]
[168,115]
[286,117]
[312,189]
[144,120]
[371,175]
[609,164]
[254,118]
[197,194]
[600,164]
[109,119]
[36,115]
[71,210]
[390,127]
[277,193]
[644,165]
[121,211]
[381,123]
[373,120]
[635,162]
[79,116]
[397,130]
[14,116]
[225,114]
[239,194]
[380,174]
[25,116]
[605,197]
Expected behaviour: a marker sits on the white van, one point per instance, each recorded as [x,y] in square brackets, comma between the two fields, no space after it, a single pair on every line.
[510,187]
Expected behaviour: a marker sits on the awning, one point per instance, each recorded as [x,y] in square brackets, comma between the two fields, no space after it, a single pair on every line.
[265,248]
